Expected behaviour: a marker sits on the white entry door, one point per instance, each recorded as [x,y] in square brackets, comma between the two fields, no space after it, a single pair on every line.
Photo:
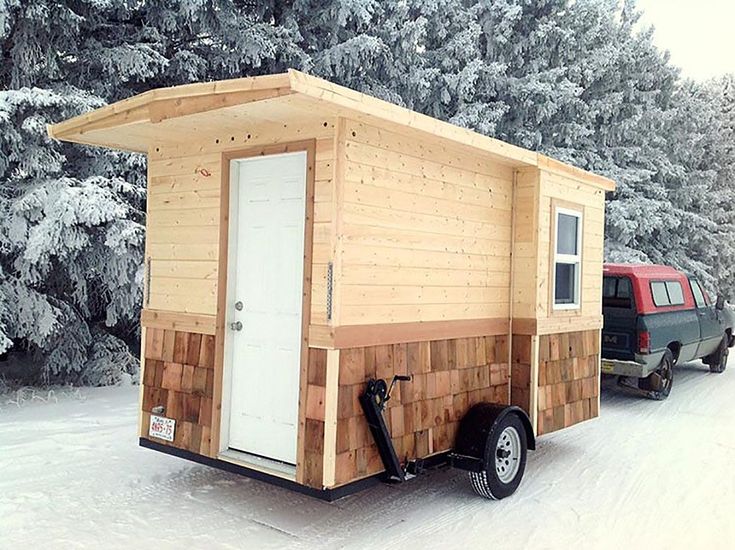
[265,294]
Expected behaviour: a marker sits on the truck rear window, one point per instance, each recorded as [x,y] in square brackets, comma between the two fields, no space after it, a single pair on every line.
[667,293]
[617,292]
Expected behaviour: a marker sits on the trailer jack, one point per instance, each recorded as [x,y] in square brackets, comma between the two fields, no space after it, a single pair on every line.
[373,401]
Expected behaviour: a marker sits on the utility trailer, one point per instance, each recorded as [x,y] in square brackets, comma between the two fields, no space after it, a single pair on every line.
[308,247]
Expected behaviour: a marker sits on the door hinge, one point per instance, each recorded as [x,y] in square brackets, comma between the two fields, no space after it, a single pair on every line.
[148,281]
[330,286]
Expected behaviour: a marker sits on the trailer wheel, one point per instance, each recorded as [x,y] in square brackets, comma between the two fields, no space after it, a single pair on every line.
[505,460]
[718,360]
[657,385]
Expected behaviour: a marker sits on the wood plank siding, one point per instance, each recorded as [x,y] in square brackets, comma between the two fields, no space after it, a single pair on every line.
[424,233]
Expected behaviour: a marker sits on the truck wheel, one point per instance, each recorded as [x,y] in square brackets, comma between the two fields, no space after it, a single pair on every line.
[657,385]
[505,460]
[718,360]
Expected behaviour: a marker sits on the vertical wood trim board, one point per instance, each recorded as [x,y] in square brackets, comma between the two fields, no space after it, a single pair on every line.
[310,469]
[221,317]
[330,417]
[511,282]
[143,431]
[310,148]
[520,378]
[533,386]
[599,369]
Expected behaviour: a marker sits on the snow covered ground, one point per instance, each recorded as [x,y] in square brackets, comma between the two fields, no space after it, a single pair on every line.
[651,474]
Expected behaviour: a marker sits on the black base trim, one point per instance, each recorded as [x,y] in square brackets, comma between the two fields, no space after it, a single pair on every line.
[329,495]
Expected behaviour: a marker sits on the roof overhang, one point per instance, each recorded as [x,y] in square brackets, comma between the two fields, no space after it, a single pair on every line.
[179,115]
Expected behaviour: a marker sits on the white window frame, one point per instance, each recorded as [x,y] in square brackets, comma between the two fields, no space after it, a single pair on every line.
[571,259]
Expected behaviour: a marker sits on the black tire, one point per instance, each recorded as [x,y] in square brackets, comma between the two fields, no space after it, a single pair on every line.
[657,385]
[718,360]
[488,483]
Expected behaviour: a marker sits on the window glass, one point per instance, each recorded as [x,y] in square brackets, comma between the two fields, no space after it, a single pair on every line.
[567,258]
[658,291]
[625,290]
[609,287]
[566,229]
[676,295]
[698,294]
[616,292]
[565,283]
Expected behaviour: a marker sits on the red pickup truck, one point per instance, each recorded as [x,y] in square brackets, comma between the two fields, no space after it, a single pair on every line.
[655,317]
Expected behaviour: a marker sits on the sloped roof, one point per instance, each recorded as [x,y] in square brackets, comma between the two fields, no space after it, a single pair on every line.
[179,114]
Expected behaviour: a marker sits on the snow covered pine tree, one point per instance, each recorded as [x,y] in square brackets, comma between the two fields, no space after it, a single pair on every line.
[580,81]
[71,250]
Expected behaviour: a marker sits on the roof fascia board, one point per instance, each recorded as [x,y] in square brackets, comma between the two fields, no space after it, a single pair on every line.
[108,116]
[568,171]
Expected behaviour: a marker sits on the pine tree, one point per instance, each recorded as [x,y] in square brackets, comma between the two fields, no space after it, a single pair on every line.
[72,217]
[580,81]
[71,247]
[414,53]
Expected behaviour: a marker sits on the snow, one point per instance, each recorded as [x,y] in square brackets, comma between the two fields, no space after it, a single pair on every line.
[654,474]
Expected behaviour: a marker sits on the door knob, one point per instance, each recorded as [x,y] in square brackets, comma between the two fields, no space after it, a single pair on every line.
[238,306]
[236,325]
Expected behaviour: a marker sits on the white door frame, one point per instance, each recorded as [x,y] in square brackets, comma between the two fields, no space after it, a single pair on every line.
[230,179]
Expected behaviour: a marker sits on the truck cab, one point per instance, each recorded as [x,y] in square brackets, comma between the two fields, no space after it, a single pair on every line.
[655,317]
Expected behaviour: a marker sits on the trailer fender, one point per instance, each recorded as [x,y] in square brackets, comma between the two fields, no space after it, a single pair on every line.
[477,424]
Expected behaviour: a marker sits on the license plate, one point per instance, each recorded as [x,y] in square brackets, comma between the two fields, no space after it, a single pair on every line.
[607,368]
[162,428]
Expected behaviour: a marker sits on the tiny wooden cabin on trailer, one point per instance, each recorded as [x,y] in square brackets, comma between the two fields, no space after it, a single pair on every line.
[303,238]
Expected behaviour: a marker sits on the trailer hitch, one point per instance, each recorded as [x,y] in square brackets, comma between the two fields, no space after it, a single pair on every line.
[373,401]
